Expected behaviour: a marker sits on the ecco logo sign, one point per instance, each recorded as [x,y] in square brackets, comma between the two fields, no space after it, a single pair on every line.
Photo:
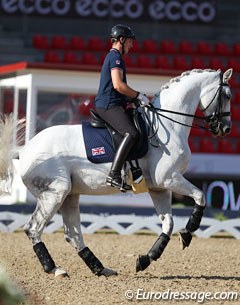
[41,7]
[190,11]
[115,8]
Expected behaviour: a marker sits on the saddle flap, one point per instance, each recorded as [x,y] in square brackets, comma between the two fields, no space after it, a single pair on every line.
[101,144]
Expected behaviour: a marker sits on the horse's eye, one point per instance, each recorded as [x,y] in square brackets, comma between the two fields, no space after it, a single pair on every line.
[227,93]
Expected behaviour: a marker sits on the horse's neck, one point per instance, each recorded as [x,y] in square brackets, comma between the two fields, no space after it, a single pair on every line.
[179,100]
[181,97]
[182,94]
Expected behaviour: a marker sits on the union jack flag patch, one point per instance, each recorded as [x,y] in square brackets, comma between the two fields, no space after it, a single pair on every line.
[98,151]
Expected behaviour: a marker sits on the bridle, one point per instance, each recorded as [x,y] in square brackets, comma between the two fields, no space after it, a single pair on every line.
[214,119]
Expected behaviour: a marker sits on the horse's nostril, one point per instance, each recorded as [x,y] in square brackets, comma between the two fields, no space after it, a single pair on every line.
[227,130]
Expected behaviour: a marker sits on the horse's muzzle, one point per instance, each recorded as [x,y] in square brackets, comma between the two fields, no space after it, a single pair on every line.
[220,130]
[225,127]
[226,130]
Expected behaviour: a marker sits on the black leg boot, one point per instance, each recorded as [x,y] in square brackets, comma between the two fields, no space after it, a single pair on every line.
[44,257]
[114,178]
[94,263]
[91,261]
[154,253]
[192,225]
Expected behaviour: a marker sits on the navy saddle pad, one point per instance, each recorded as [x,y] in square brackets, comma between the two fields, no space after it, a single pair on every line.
[99,146]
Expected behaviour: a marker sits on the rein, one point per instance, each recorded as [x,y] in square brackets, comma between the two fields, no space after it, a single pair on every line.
[153,126]
[213,118]
[158,111]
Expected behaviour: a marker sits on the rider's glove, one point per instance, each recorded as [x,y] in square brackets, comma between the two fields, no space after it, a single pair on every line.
[143,99]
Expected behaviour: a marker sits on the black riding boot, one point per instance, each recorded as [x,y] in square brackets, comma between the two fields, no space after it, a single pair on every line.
[114,178]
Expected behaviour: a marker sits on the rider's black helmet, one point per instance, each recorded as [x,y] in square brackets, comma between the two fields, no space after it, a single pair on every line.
[121,30]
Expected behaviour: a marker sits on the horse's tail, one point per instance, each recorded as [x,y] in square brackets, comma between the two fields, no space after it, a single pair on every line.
[8,128]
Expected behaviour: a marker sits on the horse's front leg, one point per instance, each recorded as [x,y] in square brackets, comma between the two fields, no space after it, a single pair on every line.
[192,225]
[182,186]
[162,202]
[73,235]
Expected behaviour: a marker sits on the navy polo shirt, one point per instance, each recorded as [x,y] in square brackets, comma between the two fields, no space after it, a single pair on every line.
[107,96]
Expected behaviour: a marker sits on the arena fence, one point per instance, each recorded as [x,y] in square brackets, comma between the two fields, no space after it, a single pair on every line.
[124,224]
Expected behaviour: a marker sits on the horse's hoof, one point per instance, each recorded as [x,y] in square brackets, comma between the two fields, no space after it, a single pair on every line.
[107,272]
[185,238]
[59,272]
[143,261]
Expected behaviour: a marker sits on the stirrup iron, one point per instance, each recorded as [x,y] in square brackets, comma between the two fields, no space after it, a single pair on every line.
[123,186]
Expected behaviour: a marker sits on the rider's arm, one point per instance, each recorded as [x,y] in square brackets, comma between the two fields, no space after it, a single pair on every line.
[120,86]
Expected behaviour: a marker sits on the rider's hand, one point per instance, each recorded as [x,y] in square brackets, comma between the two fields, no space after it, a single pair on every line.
[143,99]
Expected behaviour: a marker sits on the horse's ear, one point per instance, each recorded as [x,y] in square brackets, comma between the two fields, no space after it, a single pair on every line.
[227,75]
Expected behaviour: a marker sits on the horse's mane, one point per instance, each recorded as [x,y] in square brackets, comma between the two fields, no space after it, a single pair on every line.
[186,73]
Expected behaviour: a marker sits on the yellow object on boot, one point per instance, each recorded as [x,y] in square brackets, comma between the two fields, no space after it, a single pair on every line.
[138,186]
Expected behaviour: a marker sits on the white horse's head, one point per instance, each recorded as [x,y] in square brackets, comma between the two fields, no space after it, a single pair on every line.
[215,103]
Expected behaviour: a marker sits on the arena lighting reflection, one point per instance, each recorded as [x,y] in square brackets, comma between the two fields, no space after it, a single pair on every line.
[230,201]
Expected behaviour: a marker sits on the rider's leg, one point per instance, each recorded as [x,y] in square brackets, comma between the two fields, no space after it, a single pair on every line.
[120,121]
[114,178]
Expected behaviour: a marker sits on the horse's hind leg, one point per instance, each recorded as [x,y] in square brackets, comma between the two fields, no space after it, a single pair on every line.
[162,202]
[73,235]
[71,222]
[48,203]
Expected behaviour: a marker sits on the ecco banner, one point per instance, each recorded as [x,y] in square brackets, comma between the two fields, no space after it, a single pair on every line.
[140,10]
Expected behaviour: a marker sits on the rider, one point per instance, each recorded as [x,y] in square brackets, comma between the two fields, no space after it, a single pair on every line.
[112,96]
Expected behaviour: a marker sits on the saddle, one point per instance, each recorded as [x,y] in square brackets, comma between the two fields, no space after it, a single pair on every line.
[102,141]
[140,148]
